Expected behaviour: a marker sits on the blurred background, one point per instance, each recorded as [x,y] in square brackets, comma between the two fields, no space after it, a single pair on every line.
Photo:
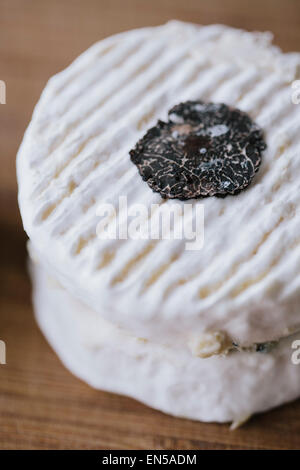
[41,405]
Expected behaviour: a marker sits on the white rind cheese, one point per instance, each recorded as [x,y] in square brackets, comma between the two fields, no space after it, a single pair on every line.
[245,281]
[221,389]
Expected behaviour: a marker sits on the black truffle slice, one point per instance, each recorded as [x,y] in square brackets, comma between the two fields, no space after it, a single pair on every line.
[205,149]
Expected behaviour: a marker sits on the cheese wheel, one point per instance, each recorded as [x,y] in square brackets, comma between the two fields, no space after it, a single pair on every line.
[244,282]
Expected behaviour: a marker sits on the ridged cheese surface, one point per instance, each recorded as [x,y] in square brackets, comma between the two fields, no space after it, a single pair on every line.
[245,281]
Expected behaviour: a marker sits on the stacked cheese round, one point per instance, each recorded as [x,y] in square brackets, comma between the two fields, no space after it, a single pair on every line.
[149,313]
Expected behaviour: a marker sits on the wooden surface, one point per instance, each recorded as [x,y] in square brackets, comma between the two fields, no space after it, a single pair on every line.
[42,405]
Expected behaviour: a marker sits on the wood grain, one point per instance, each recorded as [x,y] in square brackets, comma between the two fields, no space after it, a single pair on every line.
[42,406]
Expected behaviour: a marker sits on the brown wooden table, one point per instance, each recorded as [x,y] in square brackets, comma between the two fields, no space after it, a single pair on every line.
[42,406]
